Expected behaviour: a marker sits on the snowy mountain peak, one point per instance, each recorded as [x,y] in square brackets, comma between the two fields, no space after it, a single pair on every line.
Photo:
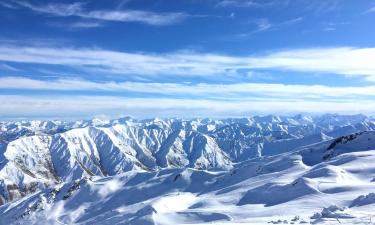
[55,159]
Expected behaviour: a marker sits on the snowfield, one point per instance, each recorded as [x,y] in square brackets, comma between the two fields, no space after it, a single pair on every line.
[259,170]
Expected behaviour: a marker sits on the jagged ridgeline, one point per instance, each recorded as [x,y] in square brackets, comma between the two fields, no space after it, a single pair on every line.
[173,171]
[40,154]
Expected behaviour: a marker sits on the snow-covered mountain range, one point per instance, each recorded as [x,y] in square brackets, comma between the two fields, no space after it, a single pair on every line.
[174,171]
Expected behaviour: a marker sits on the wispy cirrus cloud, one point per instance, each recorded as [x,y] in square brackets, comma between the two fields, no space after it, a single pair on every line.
[315,7]
[239,91]
[332,26]
[291,21]
[78,25]
[7,5]
[370,10]
[62,107]
[7,67]
[77,9]
[339,60]
[320,7]
[264,24]
[85,24]
[245,3]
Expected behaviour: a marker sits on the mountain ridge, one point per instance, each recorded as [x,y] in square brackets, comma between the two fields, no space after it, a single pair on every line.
[39,156]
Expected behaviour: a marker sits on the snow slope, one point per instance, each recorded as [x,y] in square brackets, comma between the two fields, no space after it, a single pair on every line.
[255,170]
[272,189]
[39,154]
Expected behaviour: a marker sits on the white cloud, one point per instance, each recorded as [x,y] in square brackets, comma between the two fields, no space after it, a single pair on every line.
[7,5]
[343,61]
[245,3]
[291,21]
[304,6]
[370,10]
[328,29]
[77,9]
[82,24]
[7,67]
[137,16]
[58,9]
[240,91]
[264,24]
[64,107]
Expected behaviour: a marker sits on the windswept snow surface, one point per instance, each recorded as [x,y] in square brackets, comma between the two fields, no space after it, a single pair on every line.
[259,170]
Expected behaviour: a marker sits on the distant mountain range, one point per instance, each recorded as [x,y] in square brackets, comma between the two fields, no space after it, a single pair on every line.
[149,164]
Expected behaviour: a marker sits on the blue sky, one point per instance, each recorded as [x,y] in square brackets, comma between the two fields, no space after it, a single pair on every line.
[214,58]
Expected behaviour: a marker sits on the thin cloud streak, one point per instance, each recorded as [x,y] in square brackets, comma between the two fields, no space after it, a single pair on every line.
[245,3]
[86,106]
[240,91]
[77,9]
[342,61]
[264,24]
[8,68]
[8,5]
[83,24]
[370,10]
